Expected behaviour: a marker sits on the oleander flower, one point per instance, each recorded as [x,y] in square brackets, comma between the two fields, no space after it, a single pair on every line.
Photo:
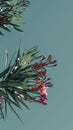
[42,88]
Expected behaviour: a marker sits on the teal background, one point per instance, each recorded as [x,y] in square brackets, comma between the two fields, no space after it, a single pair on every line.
[49,24]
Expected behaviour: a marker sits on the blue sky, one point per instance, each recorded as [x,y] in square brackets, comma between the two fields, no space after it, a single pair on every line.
[49,24]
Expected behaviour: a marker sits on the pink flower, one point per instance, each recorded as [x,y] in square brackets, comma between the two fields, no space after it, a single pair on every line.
[42,85]
[34,89]
[43,91]
[1,101]
[42,101]
[45,62]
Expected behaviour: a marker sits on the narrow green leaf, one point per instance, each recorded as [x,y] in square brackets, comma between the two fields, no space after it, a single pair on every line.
[1,33]
[2,114]
[14,97]
[8,98]
[15,113]
[22,102]
[5,28]
[4,72]
[17,29]
[27,96]
[5,108]
[14,83]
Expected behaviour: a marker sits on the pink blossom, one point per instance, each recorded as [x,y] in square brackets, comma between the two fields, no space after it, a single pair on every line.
[45,62]
[42,73]
[42,101]
[43,91]
[1,101]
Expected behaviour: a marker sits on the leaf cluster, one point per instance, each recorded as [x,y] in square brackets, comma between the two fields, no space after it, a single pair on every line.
[17,80]
[11,14]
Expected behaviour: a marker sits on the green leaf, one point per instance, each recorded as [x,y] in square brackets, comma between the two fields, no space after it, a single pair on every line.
[27,96]
[31,50]
[15,113]
[13,101]
[18,58]
[2,114]
[14,97]
[5,108]
[14,83]
[22,102]
[17,29]
[29,56]
[7,98]
[2,93]
[4,72]
[5,28]
[1,33]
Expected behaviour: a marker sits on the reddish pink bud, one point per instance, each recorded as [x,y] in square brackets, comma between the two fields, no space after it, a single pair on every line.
[34,89]
[42,102]
[42,73]
[48,84]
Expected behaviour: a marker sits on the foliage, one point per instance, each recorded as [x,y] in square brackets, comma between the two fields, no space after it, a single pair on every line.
[25,76]
[24,80]
[11,14]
